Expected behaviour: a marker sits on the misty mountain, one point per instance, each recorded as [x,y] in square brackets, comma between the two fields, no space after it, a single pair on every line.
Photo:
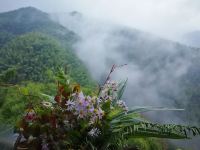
[30,19]
[160,72]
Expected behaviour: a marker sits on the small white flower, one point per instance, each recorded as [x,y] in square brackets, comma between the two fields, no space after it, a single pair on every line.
[73,94]
[94,132]
[68,81]
[31,138]
[47,104]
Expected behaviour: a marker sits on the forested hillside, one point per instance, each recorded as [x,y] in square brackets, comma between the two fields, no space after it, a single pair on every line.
[32,50]
[30,19]
[31,41]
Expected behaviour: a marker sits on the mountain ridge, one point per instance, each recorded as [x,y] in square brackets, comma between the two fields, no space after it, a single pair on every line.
[30,19]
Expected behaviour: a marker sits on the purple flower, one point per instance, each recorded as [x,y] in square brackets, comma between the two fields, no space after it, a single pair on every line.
[81,96]
[91,110]
[45,146]
[70,105]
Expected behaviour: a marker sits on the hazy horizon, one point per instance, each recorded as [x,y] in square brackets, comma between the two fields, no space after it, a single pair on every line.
[168,19]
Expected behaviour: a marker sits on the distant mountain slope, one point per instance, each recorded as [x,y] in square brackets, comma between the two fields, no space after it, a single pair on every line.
[30,19]
[32,55]
[31,42]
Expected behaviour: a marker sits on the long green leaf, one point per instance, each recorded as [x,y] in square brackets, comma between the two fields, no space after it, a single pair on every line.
[144,129]
[145,109]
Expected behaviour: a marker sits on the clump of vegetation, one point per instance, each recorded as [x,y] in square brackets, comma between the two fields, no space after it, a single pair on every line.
[73,120]
[35,56]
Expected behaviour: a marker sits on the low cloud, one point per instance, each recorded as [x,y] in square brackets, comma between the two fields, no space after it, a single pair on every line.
[155,66]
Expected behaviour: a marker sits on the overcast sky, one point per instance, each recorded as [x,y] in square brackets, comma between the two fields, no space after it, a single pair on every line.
[167,18]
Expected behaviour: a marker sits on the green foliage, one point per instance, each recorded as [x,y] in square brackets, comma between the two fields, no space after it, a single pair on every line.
[9,75]
[32,56]
[132,125]
[28,30]
[122,87]
[145,143]
[5,37]
[15,99]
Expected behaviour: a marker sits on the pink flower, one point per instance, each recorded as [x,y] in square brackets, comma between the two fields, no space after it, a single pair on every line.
[81,114]
[91,110]
[30,116]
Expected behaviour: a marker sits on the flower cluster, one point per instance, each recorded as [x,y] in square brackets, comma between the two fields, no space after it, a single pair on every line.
[122,104]
[85,107]
[109,91]
[71,118]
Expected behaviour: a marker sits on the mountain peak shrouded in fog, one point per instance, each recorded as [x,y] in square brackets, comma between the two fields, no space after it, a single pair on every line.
[26,13]
[23,18]
[29,9]
[30,19]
